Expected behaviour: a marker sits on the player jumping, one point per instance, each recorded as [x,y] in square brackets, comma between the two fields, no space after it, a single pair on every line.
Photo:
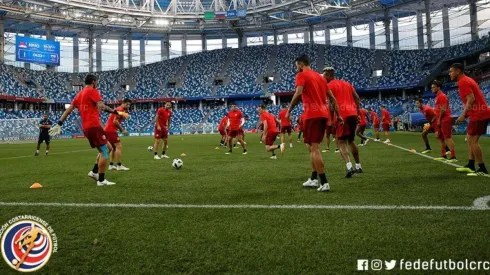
[44,126]
[444,122]
[162,124]
[313,90]
[270,131]
[89,103]
[349,108]
[112,126]
[477,110]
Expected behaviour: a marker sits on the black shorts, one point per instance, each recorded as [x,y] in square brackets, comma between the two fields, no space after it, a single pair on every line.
[44,138]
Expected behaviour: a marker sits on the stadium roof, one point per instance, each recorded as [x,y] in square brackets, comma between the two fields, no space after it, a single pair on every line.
[151,19]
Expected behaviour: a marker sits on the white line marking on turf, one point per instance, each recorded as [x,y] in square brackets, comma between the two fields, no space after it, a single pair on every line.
[246,206]
[61,153]
[425,156]
[482,203]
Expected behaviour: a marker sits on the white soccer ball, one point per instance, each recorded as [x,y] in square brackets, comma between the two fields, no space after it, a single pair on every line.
[177,164]
[150,148]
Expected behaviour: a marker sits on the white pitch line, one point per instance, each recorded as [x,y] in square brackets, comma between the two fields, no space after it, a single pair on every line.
[61,153]
[246,206]
[422,155]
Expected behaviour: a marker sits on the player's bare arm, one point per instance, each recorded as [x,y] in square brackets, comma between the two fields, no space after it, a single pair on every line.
[294,101]
[157,125]
[117,123]
[470,99]
[265,130]
[335,105]
[441,115]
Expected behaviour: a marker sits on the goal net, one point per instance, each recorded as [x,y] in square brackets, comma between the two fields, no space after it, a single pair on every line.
[198,128]
[19,130]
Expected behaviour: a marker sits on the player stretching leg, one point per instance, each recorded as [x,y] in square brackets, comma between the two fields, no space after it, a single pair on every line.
[444,127]
[386,120]
[233,126]
[44,126]
[349,108]
[162,124]
[112,126]
[477,110]
[375,121]
[363,119]
[270,131]
[286,126]
[312,87]
[89,103]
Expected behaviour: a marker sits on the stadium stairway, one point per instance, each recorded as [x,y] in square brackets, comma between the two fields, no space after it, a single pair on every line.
[222,74]
[320,62]
[180,81]
[270,71]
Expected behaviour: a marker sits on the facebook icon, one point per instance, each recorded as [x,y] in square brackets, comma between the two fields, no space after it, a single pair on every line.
[362,265]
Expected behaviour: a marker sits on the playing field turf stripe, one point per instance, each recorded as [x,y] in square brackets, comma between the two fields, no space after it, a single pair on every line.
[61,153]
[422,155]
[247,206]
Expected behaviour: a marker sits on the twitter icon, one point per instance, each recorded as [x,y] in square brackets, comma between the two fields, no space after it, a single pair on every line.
[389,265]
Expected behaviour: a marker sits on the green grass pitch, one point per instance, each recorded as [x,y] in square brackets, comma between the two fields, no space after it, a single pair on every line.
[151,240]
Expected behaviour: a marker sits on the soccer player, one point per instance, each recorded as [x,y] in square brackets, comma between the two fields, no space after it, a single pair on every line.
[477,110]
[349,107]
[162,124]
[330,131]
[221,129]
[375,120]
[313,90]
[44,126]
[233,126]
[112,126]
[444,122]
[299,121]
[89,103]
[270,131]
[363,119]
[386,120]
[430,115]
[285,125]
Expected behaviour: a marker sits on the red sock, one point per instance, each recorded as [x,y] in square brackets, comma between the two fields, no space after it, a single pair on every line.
[453,154]
[443,152]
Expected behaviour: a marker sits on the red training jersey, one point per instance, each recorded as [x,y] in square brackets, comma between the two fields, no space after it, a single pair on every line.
[282,116]
[222,123]
[271,122]
[86,103]
[374,117]
[386,116]
[343,92]
[442,101]
[479,110]
[428,112]
[363,114]
[314,95]
[235,118]
[110,126]
[164,115]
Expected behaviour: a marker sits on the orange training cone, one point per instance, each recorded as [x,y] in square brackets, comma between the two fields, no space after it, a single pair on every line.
[36,185]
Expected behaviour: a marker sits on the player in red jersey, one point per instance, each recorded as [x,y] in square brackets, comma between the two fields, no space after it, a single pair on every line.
[241,133]
[363,119]
[477,110]
[430,115]
[444,122]
[375,121]
[299,121]
[233,126]
[89,103]
[222,132]
[162,125]
[112,126]
[270,131]
[313,90]
[386,121]
[286,126]
[349,108]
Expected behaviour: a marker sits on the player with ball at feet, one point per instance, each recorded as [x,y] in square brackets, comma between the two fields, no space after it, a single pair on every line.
[89,103]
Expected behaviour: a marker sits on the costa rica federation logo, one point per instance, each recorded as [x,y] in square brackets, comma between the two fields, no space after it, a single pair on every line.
[27,244]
